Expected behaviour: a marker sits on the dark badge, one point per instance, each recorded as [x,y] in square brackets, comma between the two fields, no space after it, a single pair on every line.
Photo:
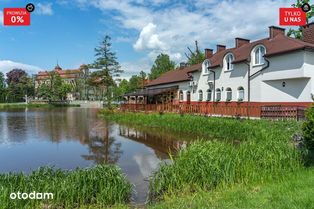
[306,7]
[30,7]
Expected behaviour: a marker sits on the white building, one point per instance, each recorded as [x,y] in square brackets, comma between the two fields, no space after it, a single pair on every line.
[274,70]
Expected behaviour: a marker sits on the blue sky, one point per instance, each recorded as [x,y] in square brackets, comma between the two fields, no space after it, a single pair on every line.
[69,30]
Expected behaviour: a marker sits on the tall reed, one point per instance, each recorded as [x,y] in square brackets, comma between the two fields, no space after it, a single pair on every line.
[207,164]
[100,186]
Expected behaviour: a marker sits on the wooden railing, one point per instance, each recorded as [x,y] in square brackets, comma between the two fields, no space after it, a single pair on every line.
[283,112]
[254,110]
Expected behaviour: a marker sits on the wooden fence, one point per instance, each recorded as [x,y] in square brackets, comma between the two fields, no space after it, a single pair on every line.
[222,110]
[283,112]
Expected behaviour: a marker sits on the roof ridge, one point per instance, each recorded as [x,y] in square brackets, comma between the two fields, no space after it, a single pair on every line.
[299,41]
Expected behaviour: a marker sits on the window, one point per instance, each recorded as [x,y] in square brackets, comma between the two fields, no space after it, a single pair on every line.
[188,96]
[259,53]
[200,95]
[206,66]
[181,95]
[228,94]
[209,95]
[240,94]
[218,95]
[228,62]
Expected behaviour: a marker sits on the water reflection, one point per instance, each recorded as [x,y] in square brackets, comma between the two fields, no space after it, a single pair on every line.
[103,148]
[74,137]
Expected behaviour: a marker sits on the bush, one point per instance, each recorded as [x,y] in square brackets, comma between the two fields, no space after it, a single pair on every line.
[308,129]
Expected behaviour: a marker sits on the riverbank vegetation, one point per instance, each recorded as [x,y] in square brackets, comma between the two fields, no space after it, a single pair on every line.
[232,156]
[23,105]
[210,127]
[293,191]
[100,186]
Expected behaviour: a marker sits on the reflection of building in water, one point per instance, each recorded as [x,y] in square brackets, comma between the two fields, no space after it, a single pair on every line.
[64,124]
[79,125]
[162,144]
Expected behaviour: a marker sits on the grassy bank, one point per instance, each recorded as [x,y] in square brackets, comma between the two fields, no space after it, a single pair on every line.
[21,105]
[209,127]
[211,164]
[295,191]
[99,187]
[232,152]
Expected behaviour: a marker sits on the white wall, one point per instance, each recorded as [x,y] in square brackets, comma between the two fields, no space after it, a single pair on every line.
[295,69]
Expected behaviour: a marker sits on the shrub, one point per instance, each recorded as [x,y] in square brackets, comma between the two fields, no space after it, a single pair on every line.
[308,128]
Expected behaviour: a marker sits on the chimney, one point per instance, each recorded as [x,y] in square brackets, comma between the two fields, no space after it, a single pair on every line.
[182,65]
[308,33]
[240,42]
[208,53]
[221,48]
[274,31]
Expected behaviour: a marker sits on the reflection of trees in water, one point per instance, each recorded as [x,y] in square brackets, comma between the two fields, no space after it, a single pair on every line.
[103,150]
[102,147]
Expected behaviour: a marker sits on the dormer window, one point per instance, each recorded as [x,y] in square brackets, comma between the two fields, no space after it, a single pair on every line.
[206,66]
[259,54]
[228,62]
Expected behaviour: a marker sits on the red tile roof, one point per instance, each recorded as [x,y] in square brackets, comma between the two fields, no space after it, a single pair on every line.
[280,44]
[63,73]
[175,75]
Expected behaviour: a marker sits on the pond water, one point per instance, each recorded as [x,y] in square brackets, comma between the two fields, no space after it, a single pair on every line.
[68,138]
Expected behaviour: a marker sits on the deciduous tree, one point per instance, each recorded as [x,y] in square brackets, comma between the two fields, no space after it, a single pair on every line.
[161,65]
[297,33]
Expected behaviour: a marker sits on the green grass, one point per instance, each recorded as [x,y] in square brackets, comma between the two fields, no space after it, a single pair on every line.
[295,191]
[232,151]
[210,164]
[210,127]
[21,105]
[100,186]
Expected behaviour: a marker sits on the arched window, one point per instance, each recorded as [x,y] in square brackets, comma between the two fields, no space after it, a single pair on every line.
[228,62]
[206,66]
[228,94]
[200,95]
[209,95]
[240,94]
[188,96]
[181,96]
[218,95]
[259,53]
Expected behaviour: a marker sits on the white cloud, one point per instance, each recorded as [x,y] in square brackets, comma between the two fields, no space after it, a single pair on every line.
[133,68]
[171,29]
[8,65]
[148,39]
[44,9]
